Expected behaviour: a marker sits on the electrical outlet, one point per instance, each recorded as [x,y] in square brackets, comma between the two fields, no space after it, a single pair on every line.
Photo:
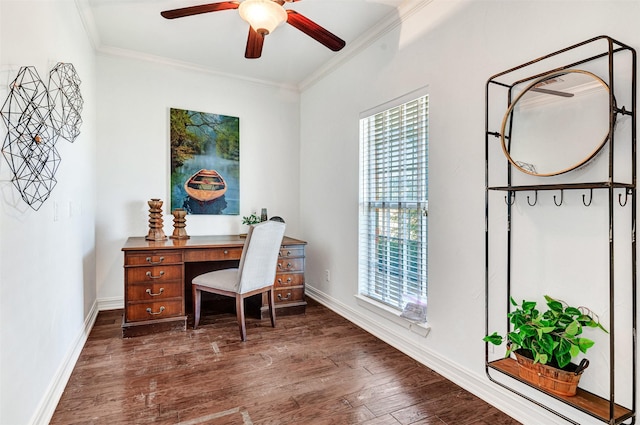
[327,275]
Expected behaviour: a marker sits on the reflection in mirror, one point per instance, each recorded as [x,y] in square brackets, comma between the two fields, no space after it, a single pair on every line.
[557,123]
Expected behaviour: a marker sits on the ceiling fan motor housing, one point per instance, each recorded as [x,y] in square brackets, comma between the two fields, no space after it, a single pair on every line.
[263,15]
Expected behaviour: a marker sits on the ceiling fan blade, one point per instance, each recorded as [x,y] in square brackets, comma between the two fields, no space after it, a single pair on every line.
[315,31]
[254,44]
[202,8]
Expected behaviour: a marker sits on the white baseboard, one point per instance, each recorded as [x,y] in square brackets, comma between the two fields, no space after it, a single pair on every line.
[47,406]
[513,405]
[113,303]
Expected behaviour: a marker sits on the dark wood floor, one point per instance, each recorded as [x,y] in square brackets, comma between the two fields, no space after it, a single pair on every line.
[312,369]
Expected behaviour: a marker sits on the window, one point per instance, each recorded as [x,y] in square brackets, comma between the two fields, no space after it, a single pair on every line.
[394,203]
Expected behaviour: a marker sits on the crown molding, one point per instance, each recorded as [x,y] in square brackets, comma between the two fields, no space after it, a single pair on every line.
[86,16]
[383,27]
[188,66]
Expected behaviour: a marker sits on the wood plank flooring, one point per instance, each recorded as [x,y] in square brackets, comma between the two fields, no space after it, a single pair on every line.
[316,368]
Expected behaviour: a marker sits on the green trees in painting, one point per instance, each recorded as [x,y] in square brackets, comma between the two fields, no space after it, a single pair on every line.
[192,131]
[228,137]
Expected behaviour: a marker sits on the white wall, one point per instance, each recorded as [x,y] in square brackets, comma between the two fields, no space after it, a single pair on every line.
[453,47]
[133,151]
[47,267]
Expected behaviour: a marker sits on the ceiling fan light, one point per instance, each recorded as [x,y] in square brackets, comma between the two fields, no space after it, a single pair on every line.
[262,15]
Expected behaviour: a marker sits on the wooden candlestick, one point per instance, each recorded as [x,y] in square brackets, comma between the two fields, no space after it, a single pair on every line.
[156,232]
[179,224]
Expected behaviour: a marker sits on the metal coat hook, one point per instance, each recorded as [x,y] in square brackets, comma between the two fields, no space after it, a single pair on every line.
[535,200]
[510,199]
[561,198]
[626,198]
[590,198]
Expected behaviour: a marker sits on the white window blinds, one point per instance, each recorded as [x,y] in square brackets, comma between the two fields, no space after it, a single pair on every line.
[394,203]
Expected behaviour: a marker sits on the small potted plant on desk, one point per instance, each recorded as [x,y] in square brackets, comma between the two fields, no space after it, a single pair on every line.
[545,343]
[249,220]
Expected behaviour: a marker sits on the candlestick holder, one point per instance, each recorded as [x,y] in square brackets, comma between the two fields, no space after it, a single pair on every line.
[156,232]
[179,224]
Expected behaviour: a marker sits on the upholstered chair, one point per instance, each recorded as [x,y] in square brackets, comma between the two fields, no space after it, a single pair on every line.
[254,275]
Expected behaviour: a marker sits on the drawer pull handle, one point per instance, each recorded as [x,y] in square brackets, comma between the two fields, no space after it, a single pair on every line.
[281,298]
[288,267]
[280,280]
[225,252]
[155,277]
[148,291]
[155,314]
[155,262]
[288,253]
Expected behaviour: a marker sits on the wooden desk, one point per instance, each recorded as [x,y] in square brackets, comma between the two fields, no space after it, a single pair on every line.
[158,274]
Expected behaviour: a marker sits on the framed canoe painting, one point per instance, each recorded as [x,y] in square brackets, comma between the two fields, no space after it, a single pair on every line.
[205,162]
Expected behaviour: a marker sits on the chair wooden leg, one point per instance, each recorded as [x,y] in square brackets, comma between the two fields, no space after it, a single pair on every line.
[197,294]
[272,312]
[240,315]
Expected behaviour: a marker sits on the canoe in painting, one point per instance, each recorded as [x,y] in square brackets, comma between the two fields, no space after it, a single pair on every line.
[205,185]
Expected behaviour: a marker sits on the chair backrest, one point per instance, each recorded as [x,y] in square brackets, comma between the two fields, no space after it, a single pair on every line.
[259,258]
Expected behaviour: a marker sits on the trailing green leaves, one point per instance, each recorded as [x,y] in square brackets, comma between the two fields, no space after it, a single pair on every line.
[552,337]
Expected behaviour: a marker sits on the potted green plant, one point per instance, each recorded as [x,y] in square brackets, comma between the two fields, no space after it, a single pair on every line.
[249,220]
[544,343]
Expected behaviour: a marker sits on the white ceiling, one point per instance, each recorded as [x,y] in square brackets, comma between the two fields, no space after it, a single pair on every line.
[216,41]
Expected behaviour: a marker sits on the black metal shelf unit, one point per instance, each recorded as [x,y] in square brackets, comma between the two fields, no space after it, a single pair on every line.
[618,62]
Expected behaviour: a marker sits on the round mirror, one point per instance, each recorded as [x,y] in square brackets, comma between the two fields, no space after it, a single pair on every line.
[556,123]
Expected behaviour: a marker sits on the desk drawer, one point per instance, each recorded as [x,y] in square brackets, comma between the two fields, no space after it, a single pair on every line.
[288,295]
[290,265]
[153,274]
[152,258]
[284,280]
[216,254]
[154,291]
[154,310]
[291,251]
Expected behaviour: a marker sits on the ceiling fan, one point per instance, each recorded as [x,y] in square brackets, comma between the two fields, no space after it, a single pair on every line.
[263,17]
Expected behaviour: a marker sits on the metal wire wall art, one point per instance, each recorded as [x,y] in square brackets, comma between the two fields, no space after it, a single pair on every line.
[36,116]
[65,100]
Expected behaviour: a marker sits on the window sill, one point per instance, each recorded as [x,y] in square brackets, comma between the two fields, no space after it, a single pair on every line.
[392,315]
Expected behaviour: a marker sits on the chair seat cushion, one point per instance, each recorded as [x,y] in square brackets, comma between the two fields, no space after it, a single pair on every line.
[226,280]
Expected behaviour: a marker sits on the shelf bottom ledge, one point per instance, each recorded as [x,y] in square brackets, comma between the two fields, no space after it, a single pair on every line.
[585,401]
